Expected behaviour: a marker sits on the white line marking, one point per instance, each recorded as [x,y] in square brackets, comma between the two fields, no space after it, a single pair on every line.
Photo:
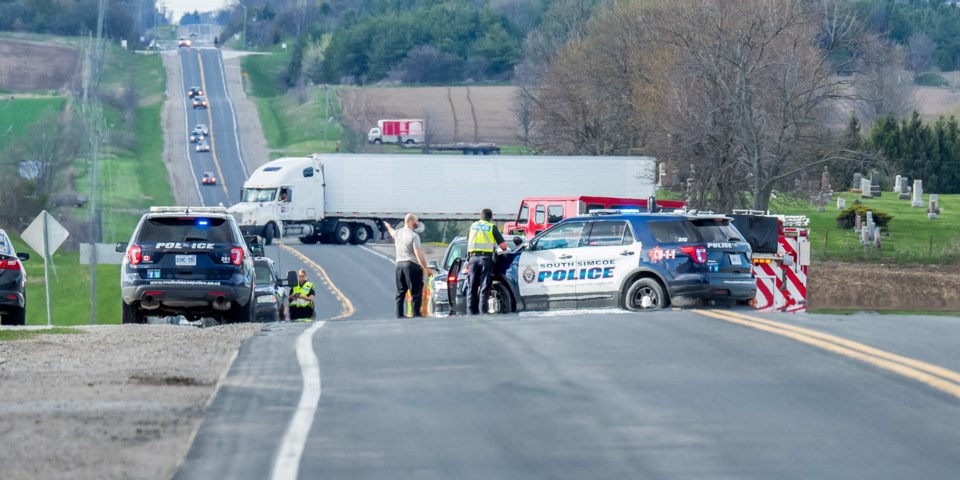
[378,254]
[287,465]
[226,92]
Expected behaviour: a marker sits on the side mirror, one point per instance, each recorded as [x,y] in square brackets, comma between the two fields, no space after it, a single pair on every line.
[291,279]
[256,249]
[517,241]
[23,256]
[121,247]
[433,264]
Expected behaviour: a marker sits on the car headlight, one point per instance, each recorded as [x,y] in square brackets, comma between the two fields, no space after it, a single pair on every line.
[267,299]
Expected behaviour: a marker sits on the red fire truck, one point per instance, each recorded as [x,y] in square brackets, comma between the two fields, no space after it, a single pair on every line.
[781,256]
[539,213]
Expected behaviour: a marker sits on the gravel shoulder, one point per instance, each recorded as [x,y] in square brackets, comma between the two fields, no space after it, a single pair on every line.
[111,402]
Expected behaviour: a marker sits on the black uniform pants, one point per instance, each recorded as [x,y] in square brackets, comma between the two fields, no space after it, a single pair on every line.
[479,281]
[409,277]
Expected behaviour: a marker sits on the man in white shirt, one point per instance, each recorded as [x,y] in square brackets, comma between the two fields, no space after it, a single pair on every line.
[411,264]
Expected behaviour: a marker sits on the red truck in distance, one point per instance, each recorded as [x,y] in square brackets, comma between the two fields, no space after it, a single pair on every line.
[540,213]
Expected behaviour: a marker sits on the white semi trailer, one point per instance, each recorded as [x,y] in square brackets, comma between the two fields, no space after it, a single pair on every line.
[329,197]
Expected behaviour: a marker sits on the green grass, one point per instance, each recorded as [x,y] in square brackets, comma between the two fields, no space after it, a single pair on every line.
[260,72]
[912,239]
[16,115]
[6,335]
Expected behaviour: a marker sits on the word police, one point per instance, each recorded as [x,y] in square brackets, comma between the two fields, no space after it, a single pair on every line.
[208,246]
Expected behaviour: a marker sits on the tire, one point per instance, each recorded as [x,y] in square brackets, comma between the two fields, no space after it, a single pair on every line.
[648,288]
[500,299]
[377,141]
[409,141]
[342,233]
[243,314]
[131,313]
[361,234]
[269,232]
[18,316]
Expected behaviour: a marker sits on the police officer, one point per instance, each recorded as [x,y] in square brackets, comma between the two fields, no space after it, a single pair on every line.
[482,241]
[301,299]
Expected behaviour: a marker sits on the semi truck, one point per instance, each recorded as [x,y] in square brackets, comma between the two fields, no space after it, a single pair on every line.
[331,198]
[403,131]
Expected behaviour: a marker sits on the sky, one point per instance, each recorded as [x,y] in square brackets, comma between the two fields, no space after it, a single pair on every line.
[180,7]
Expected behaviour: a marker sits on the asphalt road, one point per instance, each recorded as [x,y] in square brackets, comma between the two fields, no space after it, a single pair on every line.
[203,67]
[674,394]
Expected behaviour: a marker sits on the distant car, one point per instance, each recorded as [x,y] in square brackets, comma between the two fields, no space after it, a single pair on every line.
[202,129]
[270,290]
[208,179]
[203,146]
[195,137]
[13,283]
[184,42]
[195,92]
[199,102]
[198,133]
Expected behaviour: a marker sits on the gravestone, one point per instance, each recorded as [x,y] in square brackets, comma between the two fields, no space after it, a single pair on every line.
[856,180]
[934,208]
[870,223]
[857,223]
[876,238]
[865,236]
[866,188]
[917,194]
[875,185]
[896,184]
[841,203]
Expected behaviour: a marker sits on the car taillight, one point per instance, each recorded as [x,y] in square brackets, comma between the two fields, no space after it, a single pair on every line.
[236,255]
[135,253]
[12,264]
[452,278]
[698,253]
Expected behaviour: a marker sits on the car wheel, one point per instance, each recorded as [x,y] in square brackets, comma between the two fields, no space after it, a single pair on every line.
[500,299]
[646,294]
[243,314]
[342,233]
[268,233]
[18,316]
[131,313]
[361,234]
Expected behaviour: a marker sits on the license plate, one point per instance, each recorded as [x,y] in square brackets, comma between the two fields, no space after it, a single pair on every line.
[735,259]
[186,260]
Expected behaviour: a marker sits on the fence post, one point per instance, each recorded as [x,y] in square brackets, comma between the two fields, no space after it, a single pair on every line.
[931,246]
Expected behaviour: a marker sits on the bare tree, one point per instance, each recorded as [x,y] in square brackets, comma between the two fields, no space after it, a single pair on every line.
[881,87]
[920,50]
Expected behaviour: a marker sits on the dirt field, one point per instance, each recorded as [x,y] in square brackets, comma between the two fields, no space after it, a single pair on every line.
[834,285]
[28,66]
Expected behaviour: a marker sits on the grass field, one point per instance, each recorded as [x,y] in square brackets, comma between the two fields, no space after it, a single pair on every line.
[6,335]
[16,115]
[912,238]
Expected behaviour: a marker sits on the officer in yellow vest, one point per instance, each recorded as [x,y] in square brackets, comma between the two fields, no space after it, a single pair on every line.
[482,241]
[301,299]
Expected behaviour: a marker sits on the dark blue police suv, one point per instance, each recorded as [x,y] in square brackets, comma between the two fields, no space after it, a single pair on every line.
[635,261]
[190,261]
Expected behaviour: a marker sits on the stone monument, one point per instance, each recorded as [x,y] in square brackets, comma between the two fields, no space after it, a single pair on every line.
[917,194]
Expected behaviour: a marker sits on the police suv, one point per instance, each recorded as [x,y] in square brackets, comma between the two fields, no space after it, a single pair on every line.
[629,260]
[189,261]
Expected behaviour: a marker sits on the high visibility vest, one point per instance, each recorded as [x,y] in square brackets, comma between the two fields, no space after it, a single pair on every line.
[480,238]
[303,290]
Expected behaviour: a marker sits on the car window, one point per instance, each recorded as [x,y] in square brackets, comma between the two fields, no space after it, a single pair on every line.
[539,216]
[259,194]
[262,273]
[605,233]
[628,236]
[5,247]
[186,229]
[566,235]
[524,214]
[457,250]
[716,230]
[554,213]
[672,231]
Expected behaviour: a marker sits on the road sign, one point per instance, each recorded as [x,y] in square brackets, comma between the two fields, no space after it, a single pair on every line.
[45,234]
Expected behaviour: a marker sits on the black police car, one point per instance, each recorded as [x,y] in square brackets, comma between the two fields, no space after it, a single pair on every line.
[270,290]
[189,261]
[635,261]
[13,283]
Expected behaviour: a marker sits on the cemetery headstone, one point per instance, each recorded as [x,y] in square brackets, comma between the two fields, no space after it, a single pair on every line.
[875,185]
[917,194]
[856,180]
[866,188]
[841,203]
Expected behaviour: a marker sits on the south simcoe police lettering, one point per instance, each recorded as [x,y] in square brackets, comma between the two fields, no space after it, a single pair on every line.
[573,271]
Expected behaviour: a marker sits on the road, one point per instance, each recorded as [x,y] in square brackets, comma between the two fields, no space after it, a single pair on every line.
[603,394]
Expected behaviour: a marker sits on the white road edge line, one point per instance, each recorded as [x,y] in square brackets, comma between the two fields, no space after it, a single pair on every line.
[378,254]
[287,465]
[226,91]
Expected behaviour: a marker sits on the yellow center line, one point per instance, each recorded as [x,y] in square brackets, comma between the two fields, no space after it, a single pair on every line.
[213,150]
[942,379]
[345,303]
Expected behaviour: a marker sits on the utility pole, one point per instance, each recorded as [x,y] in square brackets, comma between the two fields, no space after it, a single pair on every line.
[244,7]
[97,114]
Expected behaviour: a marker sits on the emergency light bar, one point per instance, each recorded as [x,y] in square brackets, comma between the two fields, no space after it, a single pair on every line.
[613,211]
[795,220]
[173,209]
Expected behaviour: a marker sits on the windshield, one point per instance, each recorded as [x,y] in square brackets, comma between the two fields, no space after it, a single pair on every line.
[262,273]
[717,230]
[259,194]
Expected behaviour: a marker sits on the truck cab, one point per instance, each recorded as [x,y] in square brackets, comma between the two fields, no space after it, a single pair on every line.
[537,214]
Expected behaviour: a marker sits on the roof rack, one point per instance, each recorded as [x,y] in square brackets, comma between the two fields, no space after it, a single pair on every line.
[615,211]
[188,209]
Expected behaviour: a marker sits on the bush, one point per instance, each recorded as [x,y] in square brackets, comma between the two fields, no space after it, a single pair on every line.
[931,79]
[845,219]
